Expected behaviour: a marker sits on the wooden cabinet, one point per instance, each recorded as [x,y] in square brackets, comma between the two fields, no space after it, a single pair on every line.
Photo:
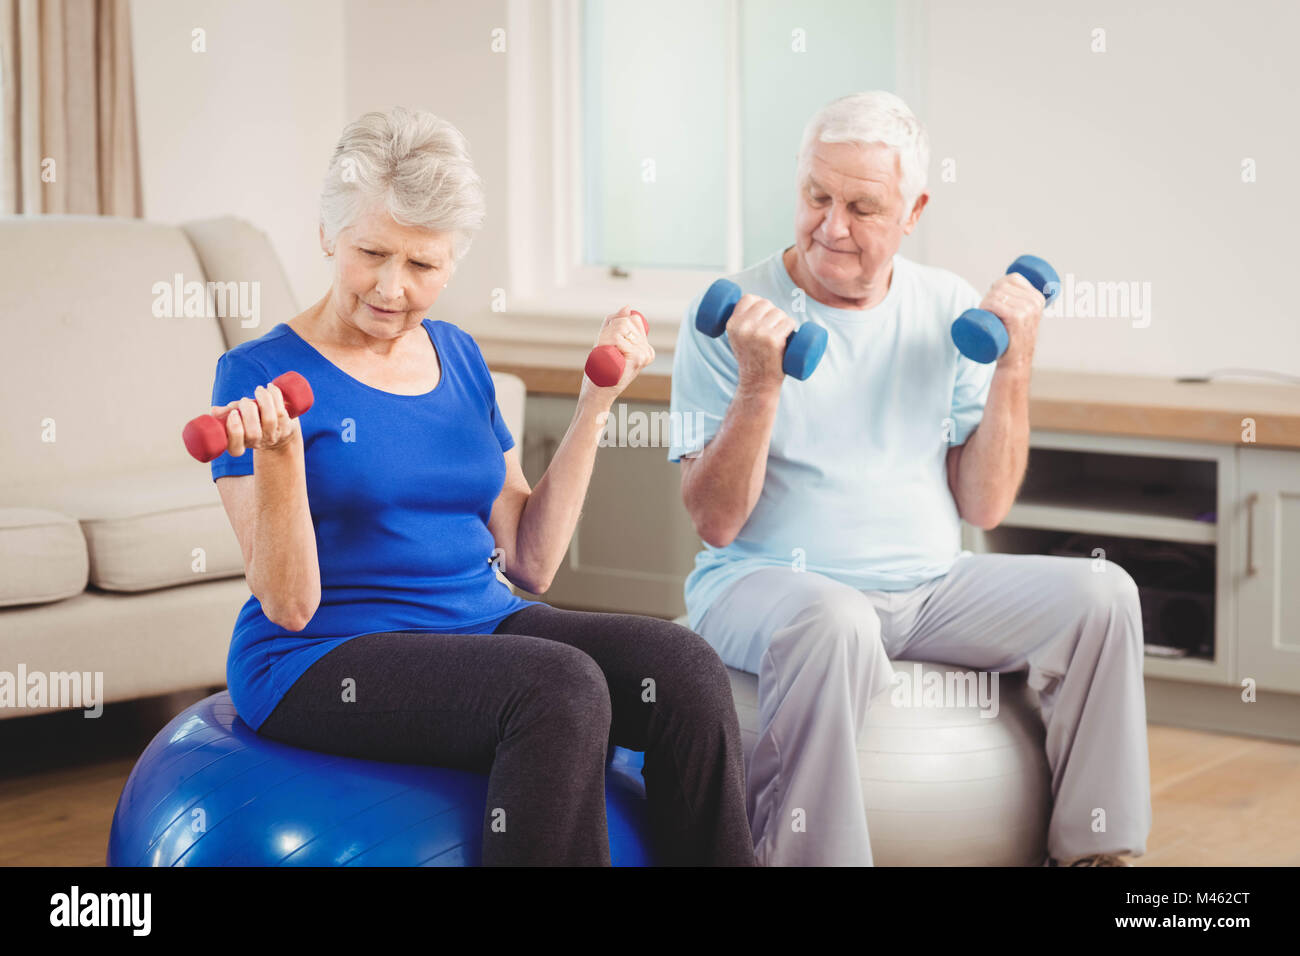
[1267,575]
[1236,507]
[1145,504]
[635,543]
[1141,459]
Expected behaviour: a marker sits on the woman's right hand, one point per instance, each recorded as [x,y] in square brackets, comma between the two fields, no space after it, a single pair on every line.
[261,423]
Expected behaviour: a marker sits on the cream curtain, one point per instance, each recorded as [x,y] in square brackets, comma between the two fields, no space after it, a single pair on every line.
[67,111]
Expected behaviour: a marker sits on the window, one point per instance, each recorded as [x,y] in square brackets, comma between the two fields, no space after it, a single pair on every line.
[654,120]
[670,132]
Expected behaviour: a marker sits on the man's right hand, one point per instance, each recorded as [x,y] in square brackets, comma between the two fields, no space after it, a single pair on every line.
[758,331]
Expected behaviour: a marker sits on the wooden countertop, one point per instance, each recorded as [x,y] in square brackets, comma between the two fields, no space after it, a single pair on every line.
[1093,403]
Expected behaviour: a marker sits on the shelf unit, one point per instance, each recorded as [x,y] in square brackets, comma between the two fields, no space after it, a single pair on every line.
[1238,504]
[1136,490]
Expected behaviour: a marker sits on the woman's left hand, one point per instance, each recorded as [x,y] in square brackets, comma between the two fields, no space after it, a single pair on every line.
[624,331]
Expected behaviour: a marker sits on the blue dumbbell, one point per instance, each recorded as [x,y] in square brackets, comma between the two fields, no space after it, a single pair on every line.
[804,346]
[980,335]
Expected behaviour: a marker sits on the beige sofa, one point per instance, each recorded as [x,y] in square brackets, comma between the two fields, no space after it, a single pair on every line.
[116,555]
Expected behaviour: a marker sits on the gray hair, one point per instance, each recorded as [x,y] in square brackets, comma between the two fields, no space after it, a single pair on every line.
[873,117]
[414,163]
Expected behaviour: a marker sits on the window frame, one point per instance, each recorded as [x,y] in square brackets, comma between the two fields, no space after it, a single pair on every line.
[554,298]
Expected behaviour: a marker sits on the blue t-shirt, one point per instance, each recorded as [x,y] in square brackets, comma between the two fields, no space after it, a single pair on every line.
[856,486]
[400,489]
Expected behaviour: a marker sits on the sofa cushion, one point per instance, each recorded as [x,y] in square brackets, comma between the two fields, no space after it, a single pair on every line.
[42,556]
[232,250]
[144,644]
[100,368]
[144,529]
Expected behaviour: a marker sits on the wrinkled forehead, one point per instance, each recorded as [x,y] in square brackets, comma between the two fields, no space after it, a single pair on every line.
[377,227]
[853,170]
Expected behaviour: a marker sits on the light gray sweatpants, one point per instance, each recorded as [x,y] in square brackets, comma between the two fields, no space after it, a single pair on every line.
[822,652]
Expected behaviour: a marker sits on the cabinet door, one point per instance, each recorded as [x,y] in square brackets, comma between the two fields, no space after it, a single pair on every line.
[635,543]
[1268,573]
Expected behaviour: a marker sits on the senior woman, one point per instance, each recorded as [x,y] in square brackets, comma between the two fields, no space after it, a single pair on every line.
[372,526]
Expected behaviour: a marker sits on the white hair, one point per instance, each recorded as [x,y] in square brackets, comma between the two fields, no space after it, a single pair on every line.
[415,164]
[873,117]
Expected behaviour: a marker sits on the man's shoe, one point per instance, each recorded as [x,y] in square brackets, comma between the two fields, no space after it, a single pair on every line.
[1094,859]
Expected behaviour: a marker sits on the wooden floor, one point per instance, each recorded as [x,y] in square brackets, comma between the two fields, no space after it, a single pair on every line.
[1217,800]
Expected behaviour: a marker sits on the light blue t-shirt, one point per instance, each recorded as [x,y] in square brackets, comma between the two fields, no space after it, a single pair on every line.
[856,486]
[400,489]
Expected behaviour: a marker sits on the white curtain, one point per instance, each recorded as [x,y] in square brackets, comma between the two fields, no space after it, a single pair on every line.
[67,108]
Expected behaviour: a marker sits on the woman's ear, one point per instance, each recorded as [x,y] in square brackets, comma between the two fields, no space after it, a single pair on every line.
[325,250]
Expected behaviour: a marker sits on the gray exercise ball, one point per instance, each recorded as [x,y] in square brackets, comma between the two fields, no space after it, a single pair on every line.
[944,785]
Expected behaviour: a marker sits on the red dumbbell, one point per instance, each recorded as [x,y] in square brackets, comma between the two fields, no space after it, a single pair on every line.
[205,437]
[605,364]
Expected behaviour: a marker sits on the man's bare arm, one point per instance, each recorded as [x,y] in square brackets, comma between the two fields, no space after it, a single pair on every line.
[722,486]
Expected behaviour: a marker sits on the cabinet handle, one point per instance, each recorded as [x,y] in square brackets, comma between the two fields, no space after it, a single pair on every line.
[1251,570]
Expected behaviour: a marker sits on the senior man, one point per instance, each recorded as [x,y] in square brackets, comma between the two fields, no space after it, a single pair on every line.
[830,510]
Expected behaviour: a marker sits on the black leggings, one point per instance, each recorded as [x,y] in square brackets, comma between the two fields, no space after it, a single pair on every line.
[536,705]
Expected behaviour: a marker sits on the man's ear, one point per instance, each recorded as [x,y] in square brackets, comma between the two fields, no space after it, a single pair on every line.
[910,224]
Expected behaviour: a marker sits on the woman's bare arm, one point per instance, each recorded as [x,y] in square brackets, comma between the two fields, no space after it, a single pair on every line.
[269,510]
[533,527]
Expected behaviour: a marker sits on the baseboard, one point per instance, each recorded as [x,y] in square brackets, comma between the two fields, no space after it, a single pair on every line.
[1220,709]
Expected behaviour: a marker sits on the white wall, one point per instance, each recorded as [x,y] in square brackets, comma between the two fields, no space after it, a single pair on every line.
[1117,166]
[245,128]
[1125,165]
[437,55]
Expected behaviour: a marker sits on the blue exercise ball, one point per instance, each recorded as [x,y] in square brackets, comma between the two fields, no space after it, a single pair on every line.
[210,791]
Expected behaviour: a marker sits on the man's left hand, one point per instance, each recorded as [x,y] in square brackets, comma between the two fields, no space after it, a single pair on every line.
[1020,307]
